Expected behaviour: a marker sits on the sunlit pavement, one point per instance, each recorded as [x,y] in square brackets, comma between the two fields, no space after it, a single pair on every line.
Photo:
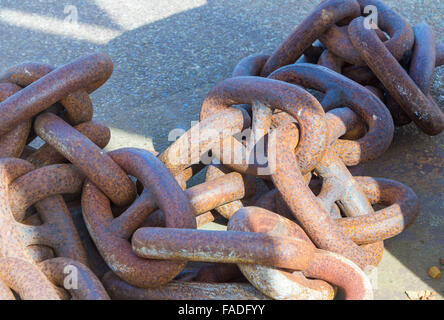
[168,54]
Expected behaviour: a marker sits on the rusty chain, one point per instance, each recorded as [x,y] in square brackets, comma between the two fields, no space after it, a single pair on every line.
[299,224]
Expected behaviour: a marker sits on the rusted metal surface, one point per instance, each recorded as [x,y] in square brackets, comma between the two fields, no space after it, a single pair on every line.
[87,285]
[10,242]
[26,279]
[336,39]
[47,155]
[83,73]
[420,108]
[239,247]
[87,156]
[42,183]
[42,188]
[214,173]
[95,261]
[327,98]
[13,142]
[353,201]
[222,246]
[403,98]
[179,290]
[342,92]
[110,235]
[250,65]
[186,151]
[282,284]
[306,208]
[35,221]
[361,75]
[329,60]
[312,53]
[276,95]
[401,210]
[421,69]
[78,104]
[318,22]
[221,192]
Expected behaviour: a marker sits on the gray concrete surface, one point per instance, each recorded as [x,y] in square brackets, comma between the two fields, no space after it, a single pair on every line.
[168,54]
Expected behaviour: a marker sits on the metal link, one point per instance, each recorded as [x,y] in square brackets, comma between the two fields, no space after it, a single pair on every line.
[276,95]
[110,235]
[305,206]
[401,211]
[178,290]
[87,286]
[222,246]
[84,154]
[428,117]
[39,95]
[337,40]
[25,279]
[221,192]
[230,207]
[13,142]
[47,155]
[313,226]
[319,21]
[326,266]
[330,167]
[42,187]
[78,104]
[422,66]
[342,92]
[186,151]
[273,246]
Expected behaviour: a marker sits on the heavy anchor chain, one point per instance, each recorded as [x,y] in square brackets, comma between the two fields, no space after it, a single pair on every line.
[347,45]
[278,160]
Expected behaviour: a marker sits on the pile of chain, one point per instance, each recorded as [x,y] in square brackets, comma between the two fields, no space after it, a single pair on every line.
[78,222]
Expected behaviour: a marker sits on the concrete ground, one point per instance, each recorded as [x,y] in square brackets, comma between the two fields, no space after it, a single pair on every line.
[168,54]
